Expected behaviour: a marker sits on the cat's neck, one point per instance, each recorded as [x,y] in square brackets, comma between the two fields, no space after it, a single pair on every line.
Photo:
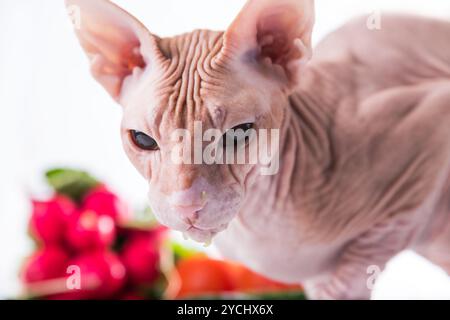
[307,150]
[307,156]
[305,161]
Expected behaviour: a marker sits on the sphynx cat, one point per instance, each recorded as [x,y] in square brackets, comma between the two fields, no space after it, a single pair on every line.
[364,128]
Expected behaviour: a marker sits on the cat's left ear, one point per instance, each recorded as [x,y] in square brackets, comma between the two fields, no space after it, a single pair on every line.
[116,43]
[273,32]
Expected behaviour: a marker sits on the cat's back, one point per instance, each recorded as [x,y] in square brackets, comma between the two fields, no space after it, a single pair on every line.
[388,90]
[393,50]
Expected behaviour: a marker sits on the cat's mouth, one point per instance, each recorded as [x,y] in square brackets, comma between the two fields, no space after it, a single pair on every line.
[202,235]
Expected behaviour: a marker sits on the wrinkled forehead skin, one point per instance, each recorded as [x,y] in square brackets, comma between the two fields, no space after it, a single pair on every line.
[196,82]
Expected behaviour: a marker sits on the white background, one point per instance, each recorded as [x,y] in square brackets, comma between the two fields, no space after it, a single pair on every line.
[52,113]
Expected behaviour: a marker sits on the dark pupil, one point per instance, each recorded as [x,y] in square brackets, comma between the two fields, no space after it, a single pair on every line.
[243,127]
[143,141]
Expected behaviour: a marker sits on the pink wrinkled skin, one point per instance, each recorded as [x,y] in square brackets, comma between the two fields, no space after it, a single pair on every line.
[365,136]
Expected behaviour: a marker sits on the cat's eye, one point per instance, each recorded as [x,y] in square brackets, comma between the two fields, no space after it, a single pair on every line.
[237,135]
[143,141]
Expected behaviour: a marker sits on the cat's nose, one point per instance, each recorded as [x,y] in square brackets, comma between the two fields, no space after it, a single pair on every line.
[188,203]
[188,213]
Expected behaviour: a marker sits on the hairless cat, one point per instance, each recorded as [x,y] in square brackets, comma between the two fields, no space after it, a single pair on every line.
[364,128]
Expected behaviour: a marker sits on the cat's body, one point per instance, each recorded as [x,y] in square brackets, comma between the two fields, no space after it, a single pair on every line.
[364,126]
[366,144]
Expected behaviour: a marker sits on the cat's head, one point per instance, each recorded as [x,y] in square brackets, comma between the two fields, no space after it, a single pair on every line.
[182,95]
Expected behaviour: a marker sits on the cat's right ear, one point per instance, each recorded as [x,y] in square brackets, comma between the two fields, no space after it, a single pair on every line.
[274,32]
[115,42]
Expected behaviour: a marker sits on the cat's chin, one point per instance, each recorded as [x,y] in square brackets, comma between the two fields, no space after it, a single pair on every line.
[201,236]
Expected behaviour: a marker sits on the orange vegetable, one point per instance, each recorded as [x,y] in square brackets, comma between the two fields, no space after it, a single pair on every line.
[247,281]
[198,276]
[201,276]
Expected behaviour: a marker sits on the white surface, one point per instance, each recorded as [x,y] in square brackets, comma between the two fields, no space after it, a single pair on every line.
[52,113]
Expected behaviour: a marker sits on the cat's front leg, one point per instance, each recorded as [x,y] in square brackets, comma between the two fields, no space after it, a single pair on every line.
[353,274]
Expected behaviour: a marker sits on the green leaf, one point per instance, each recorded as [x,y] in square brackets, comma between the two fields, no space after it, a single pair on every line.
[181,252]
[156,290]
[72,183]
[142,220]
[288,295]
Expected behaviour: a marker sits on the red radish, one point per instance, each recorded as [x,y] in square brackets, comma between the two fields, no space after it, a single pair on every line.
[140,256]
[88,230]
[48,219]
[102,275]
[157,233]
[47,263]
[103,201]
